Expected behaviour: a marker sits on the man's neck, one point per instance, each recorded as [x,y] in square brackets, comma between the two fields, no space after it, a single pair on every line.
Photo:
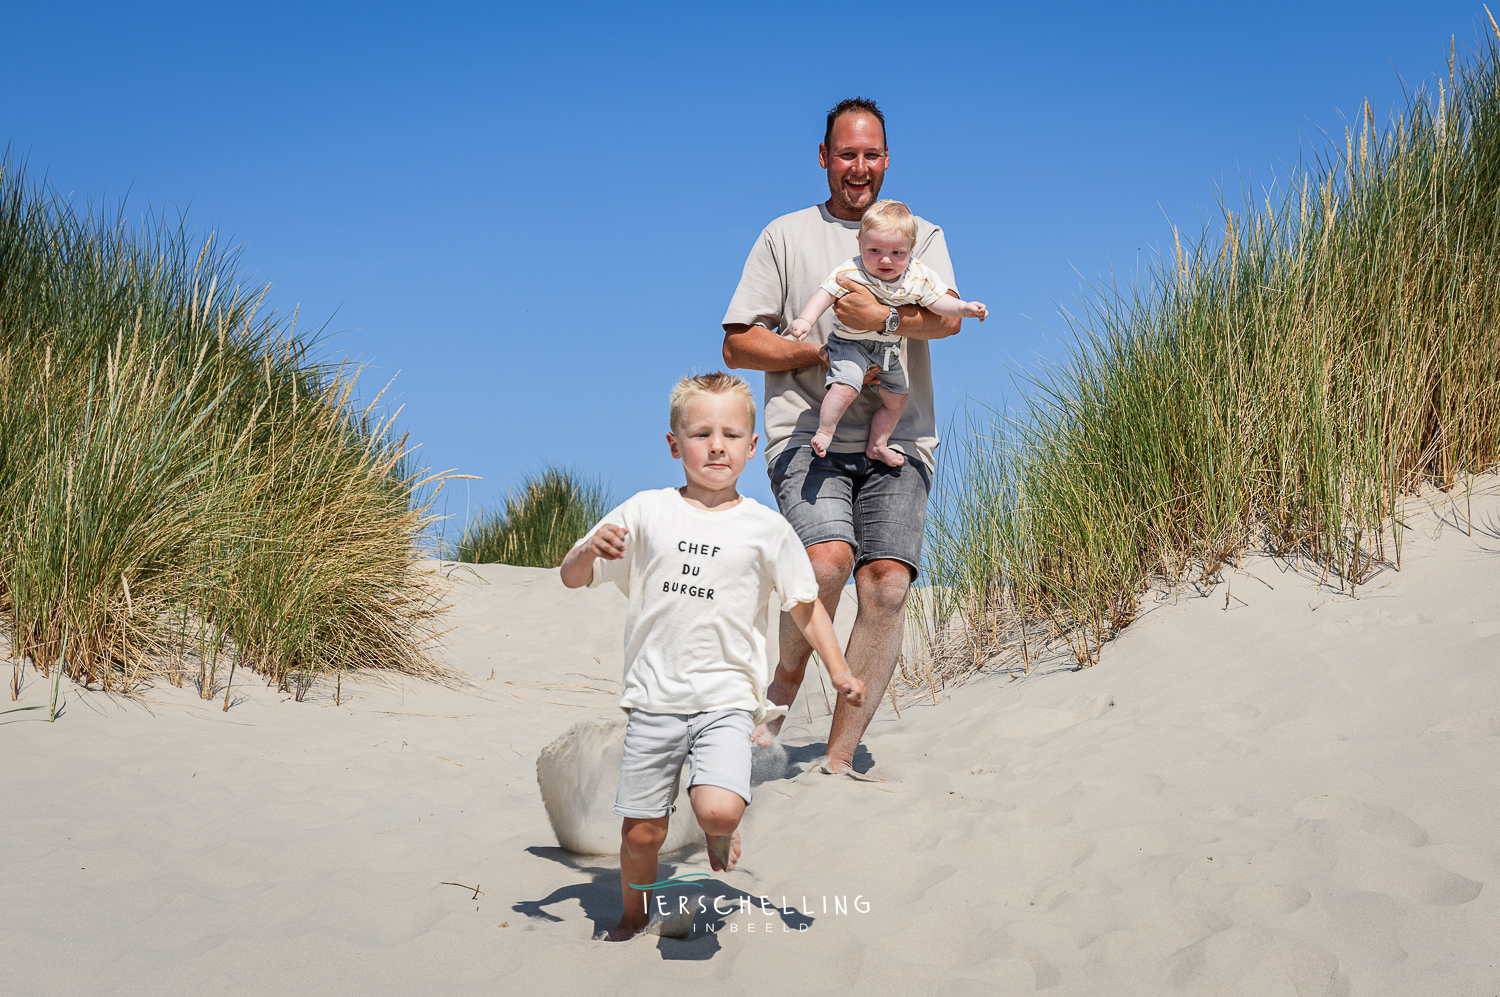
[838,211]
[708,499]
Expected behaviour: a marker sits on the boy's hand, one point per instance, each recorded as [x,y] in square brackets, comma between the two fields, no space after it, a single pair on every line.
[609,542]
[851,688]
[976,309]
[800,328]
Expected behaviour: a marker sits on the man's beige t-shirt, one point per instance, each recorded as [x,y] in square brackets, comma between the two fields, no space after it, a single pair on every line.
[699,584]
[790,260]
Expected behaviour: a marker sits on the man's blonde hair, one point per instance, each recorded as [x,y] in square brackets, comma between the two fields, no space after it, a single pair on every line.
[717,383]
[891,215]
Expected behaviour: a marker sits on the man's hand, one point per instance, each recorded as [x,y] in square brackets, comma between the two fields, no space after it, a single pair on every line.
[859,309]
[872,374]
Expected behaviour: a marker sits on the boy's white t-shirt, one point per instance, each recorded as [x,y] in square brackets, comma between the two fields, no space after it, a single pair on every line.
[699,584]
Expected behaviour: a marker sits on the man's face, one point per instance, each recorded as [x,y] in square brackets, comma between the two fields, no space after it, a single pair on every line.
[714,441]
[855,158]
[885,252]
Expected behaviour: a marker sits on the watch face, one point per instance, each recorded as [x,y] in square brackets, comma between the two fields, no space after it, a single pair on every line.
[892,321]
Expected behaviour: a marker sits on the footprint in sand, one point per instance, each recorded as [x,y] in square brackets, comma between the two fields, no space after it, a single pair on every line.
[1030,721]
[1382,822]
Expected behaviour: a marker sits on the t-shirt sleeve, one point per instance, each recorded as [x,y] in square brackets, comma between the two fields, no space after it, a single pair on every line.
[761,293]
[794,578]
[618,570]
[831,285]
[934,254]
[933,286]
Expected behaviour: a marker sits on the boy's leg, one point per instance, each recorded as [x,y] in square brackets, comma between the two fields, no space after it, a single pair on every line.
[655,746]
[720,786]
[840,396]
[640,840]
[882,424]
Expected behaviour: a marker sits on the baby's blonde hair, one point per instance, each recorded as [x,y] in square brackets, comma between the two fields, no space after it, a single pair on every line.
[892,216]
[717,383]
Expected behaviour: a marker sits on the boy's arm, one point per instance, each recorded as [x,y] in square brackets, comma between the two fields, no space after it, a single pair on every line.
[812,619]
[816,305]
[607,542]
[951,307]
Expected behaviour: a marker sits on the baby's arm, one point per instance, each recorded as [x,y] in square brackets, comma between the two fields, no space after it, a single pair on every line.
[817,305]
[950,307]
[812,619]
[607,542]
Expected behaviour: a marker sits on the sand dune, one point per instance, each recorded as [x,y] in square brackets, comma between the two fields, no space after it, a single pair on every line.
[1296,794]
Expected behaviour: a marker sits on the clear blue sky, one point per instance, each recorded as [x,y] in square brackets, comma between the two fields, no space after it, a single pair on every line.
[472,195]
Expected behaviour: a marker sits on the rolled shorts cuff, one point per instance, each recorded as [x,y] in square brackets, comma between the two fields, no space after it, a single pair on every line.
[644,814]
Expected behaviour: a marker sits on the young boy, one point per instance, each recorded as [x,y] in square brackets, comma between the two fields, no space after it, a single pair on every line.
[699,565]
[884,265]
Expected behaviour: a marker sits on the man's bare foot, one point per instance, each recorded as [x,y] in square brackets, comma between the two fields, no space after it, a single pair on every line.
[624,931]
[765,735]
[820,443]
[885,455]
[828,766]
[723,851]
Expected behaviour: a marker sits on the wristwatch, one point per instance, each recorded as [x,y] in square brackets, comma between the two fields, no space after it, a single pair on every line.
[892,322]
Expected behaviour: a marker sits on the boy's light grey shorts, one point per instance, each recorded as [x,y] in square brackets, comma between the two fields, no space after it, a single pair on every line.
[656,745]
[848,359]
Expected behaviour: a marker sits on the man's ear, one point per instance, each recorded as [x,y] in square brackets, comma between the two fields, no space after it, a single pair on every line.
[822,156]
[672,444]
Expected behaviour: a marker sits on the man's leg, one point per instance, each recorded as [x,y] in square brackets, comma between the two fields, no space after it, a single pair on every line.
[832,561]
[874,645]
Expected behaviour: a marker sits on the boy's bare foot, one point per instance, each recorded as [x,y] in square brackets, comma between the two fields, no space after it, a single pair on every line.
[624,931]
[723,851]
[885,455]
[820,443]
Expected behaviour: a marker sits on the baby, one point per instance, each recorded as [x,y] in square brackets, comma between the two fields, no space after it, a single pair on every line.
[884,265]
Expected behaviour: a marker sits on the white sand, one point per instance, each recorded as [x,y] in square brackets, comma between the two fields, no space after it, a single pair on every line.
[1297,795]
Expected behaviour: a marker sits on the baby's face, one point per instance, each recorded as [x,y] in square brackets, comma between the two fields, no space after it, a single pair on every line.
[885,253]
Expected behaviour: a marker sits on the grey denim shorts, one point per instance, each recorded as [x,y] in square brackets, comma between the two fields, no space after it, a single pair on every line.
[878,510]
[656,745]
[848,359]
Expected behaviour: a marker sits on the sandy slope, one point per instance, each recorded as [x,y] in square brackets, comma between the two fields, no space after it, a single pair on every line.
[1294,795]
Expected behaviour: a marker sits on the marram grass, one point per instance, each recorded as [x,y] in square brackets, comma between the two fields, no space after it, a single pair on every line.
[1281,387]
[540,522]
[182,492]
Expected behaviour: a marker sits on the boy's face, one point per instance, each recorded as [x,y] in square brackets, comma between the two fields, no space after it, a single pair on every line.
[885,253]
[714,441]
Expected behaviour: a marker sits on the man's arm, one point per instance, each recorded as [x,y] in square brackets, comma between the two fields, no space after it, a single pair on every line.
[859,309]
[755,347]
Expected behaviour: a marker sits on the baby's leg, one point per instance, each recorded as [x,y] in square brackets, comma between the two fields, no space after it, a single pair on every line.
[640,840]
[840,396]
[882,425]
[719,811]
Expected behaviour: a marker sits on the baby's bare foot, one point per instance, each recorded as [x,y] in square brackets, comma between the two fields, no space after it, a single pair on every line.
[885,455]
[820,443]
[723,851]
[765,735]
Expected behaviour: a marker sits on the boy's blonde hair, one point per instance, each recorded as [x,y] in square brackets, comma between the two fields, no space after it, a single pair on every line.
[717,383]
[890,215]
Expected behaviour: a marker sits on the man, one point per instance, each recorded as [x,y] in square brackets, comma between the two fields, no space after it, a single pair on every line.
[853,513]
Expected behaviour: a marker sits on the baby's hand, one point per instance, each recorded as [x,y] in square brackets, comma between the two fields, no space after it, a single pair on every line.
[609,542]
[800,328]
[976,309]
[851,688]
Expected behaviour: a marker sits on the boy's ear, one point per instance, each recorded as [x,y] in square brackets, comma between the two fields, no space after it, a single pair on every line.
[672,444]
[754,439]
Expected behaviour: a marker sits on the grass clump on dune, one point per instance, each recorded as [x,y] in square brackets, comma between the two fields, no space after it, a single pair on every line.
[182,490]
[1280,388]
[539,523]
